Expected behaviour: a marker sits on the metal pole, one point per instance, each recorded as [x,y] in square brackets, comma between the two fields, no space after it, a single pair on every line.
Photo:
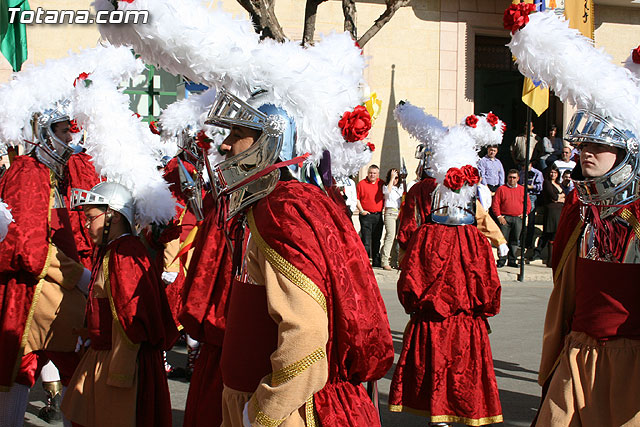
[523,232]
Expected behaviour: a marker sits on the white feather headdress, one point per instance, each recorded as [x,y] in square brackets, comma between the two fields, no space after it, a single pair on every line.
[5,219]
[547,50]
[121,145]
[38,87]
[452,148]
[314,85]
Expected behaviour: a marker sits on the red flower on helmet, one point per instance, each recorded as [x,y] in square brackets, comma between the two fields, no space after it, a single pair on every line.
[454,179]
[635,55]
[371,147]
[471,121]
[203,141]
[153,127]
[492,119]
[74,128]
[517,16]
[81,77]
[355,124]
[471,174]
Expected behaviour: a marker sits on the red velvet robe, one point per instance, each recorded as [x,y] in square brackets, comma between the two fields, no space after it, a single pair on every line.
[26,188]
[416,207]
[449,285]
[312,233]
[203,316]
[143,312]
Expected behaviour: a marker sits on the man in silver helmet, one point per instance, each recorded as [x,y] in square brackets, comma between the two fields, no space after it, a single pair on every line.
[295,340]
[591,337]
[40,270]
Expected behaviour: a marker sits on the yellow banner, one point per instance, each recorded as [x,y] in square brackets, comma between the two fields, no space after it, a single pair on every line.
[580,14]
[535,96]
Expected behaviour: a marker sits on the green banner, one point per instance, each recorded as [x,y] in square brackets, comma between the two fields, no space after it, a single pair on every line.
[13,36]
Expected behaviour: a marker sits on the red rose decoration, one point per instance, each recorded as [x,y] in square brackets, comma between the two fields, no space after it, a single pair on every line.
[471,121]
[517,16]
[471,174]
[81,77]
[371,147]
[203,141]
[504,127]
[635,55]
[492,119]
[355,124]
[454,179]
[74,128]
[153,127]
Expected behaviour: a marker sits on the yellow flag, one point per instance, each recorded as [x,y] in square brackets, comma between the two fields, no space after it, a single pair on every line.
[580,15]
[535,96]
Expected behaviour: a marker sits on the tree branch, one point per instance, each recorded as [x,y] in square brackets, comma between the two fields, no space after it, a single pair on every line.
[349,11]
[392,7]
[264,18]
[310,11]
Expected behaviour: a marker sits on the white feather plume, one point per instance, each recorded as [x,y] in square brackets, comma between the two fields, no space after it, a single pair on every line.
[632,66]
[121,144]
[314,85]
[546,49]
[5,219]
[420,125]
[37,87]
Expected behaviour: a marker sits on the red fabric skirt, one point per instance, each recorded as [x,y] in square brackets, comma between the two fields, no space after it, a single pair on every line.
[153,407]
[346,405]
[204,401]
[445,371]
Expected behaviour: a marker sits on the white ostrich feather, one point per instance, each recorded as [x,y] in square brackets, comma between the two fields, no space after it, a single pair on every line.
[121,144]
[38,87]
[632,66]
[187,113]
[5,219]
[547,50]
[420,125]
[314,85]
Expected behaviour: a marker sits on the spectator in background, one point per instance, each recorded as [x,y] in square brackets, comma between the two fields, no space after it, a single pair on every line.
[519,147]
[553,199]
[566,182]
[565,162]
[370,204]
[552,148]
[491,169]
[392,192]
[534,186]
[508,208]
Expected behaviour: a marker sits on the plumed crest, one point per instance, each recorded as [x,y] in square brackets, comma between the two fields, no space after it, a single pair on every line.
[547,50]
[5,219]
[420,125]
[631,65]
[488,130]
[37,87]
[189,112]
[314,85]
[121,145]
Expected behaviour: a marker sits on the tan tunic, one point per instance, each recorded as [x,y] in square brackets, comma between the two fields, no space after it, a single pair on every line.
[299,363]
[103,389]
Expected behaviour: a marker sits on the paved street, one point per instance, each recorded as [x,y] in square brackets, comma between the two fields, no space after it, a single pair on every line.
[516,338]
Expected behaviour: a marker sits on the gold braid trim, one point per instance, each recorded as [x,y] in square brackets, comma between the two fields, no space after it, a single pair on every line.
[287,373]
[263,418]
[448,418]
[285,267]
[310,413]
[114,313]
[632,220]
[567,249]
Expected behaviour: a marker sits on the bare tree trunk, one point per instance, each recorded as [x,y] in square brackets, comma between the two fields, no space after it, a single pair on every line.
[392,7]
[349,11]
[264,18]
[310,11]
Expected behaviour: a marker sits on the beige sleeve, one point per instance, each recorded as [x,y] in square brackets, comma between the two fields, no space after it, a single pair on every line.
[171,249]
[123,361]
[62,269]
[299,364]
[488,226]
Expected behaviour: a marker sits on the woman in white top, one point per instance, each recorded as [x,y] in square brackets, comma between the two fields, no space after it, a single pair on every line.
[393,191]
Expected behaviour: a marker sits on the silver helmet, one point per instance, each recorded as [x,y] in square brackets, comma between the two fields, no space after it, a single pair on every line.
[619,186]
[237,179]
[49,149]
[114,195]
[444,213]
